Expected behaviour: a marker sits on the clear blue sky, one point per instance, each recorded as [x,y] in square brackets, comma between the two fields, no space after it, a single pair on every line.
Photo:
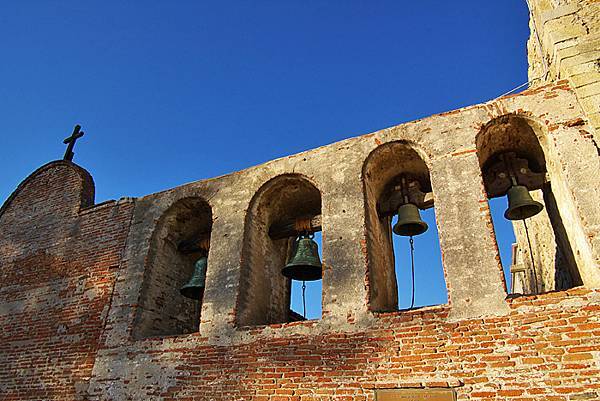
[173,92]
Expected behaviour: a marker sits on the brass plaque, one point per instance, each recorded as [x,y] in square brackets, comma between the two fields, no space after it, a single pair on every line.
[415,395]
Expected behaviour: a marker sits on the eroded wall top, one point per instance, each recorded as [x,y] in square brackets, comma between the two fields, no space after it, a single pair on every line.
[565,44]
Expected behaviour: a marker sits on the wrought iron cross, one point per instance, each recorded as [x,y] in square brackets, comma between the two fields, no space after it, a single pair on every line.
[71,141]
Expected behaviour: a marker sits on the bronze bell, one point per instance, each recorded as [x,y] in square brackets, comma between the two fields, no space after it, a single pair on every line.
[194,288]
[520,204]
[409,221]
[305,264]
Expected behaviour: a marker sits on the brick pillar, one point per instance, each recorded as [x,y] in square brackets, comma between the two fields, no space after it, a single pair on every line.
[469,251]
[217,318]
[344,251]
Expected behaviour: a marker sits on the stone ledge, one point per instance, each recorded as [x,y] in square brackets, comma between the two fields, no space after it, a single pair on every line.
[590,89]
[580,58]
[591,104]
[561,32]
[594,120]
[590,66]
[585,79]
[558,12]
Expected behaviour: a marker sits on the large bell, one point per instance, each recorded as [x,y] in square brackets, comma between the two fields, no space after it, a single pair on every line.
[305,265]
[194,288]
[409,221]
[520,204]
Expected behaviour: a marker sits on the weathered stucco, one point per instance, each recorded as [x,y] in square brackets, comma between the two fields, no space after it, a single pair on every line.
[349,176]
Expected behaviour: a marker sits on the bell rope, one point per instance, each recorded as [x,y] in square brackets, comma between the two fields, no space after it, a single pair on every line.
[412,266]
[304,298]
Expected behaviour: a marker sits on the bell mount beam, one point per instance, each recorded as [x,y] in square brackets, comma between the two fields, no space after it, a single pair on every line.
[278,230]
[289,227]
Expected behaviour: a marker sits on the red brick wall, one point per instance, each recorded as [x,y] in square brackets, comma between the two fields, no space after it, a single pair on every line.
[542,350]
[58,263]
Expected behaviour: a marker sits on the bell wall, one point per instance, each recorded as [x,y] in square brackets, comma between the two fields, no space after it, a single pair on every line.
[88,298]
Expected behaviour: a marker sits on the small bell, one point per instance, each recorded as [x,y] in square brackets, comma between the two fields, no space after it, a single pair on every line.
[409,221]
[520,204]
[194,288]
[305,264]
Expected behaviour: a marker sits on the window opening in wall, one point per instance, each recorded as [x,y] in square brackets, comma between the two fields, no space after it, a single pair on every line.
[278,251]
[429,281]
[519,190]
[312,292]
[417,258]
[509,174]
[397,183]
[409,224]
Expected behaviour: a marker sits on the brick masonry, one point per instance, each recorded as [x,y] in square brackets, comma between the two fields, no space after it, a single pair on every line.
[59,259]
[90,308]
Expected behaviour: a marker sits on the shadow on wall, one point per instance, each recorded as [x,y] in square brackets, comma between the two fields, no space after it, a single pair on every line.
[566,274]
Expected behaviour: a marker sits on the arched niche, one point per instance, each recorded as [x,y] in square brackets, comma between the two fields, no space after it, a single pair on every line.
[517,144]
[264,296]
[169,265]
[383,172]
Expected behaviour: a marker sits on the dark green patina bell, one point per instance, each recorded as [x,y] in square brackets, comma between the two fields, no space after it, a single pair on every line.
[409,221]
[520,204]
[194,288]
[305,264]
